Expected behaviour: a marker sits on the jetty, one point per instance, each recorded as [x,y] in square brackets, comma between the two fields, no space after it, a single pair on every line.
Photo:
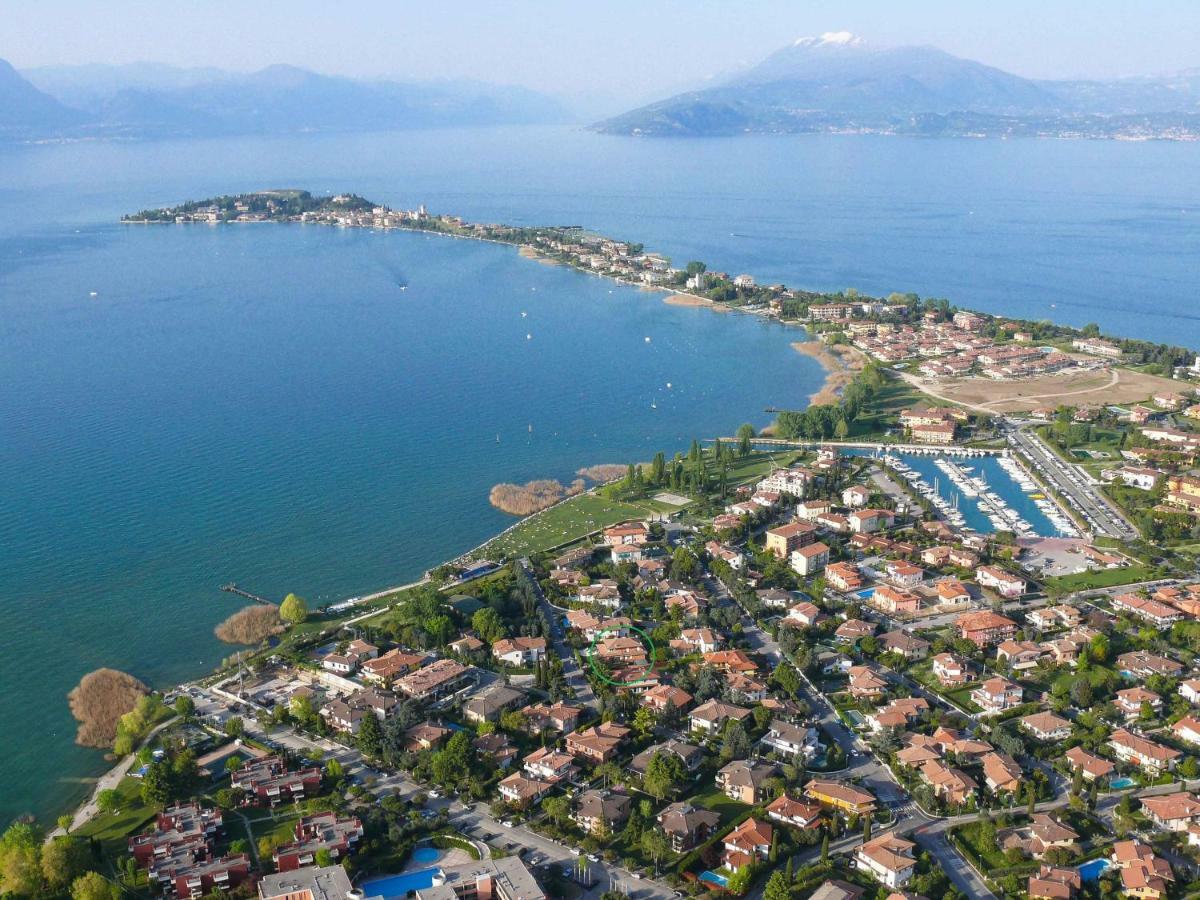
[232,588]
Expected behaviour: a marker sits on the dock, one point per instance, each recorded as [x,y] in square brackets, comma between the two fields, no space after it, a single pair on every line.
[232,588]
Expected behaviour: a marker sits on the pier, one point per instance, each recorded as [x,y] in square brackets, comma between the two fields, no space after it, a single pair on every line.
[232,588]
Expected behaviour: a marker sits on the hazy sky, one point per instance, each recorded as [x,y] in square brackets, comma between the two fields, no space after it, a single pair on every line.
[619,49]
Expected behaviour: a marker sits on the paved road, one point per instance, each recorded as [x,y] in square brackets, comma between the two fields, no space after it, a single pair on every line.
[574,676]
[1070,482]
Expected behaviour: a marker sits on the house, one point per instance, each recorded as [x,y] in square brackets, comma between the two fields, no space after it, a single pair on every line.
[949,670]
[520,651]
[951,592]
[786,538]
[855,496]
[520,790]
[905,644]
[730,661]
[1054,883]
[811,510]
[836,889]
[605,592]
[796,813]
[495,749]
[690,755]
[686,826]
[1001,773]
[664,697]
[1093,767]
[1140,664]
[626,553]
[601,812]
[312,834]
[898,714]
[952,785]
[557,717]
[749,843]
[804,614]
[744,689]
[425,736]
[1044,832]
[711,717]
[267,780]
[1003,583]
[888,858]
[598,743]
[548,764]
[1143,874]
[843,576]
[340,663]
[745,781]
[1158,614]
[390,665]
[895,601]
[621,651]
[626,533]
[1046,726]
[809,559]
[1187,730]
[487,705]
[791,740]
[1173,812]
[774,598]
[703,640]
[853,630]
[985,627]
[1096,347]
[904,573]
[1020,655]
[1130,700]
[865,521]
[434,680]
[466,644]
[941,433]
[996,695]
[1189,690]
[841,796]
[866,684]
[1142,752]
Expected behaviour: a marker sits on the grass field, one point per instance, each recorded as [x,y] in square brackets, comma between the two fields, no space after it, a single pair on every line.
[1086,581]
[1071,388]
[962,697]
[716,801]
[112,829]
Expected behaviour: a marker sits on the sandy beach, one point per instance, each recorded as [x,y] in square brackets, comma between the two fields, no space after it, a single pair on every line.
[841,363]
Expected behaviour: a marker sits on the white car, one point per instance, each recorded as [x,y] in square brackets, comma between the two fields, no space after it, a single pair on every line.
[593,857]
[507,824]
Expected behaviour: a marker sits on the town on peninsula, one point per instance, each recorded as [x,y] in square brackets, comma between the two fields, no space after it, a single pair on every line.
[933,633]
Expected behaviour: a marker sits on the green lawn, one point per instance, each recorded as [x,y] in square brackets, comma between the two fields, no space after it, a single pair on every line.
[716,800]
[112,829]
[962,697]
[1084,581]
[572,520]
[281,823]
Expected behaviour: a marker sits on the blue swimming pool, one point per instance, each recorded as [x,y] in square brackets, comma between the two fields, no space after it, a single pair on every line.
[866,595]
[1119,784]
[714,878]
[426,854]
[1093,869]
[400,885]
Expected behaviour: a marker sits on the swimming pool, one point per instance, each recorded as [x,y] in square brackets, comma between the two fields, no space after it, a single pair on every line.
[866,595]
[399,885]
[714,878]
[1093,869]
[426,854]
[1119,784]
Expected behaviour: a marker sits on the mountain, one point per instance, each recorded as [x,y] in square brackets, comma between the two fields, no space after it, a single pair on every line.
[26,111]
[151,100]
[840,82]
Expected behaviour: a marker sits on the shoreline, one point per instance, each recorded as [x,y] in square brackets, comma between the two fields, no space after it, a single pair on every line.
[841,363]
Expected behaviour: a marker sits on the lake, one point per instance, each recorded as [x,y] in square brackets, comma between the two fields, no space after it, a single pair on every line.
[313,409]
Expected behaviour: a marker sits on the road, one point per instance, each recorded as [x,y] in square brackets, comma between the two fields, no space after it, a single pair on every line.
[574,676]
[1071,483]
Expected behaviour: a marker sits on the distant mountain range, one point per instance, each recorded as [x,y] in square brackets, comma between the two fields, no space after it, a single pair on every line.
[838,82]
[151,100]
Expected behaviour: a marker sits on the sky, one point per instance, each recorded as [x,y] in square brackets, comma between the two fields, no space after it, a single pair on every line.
[612,51]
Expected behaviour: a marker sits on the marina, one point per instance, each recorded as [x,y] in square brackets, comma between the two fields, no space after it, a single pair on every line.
[984,493]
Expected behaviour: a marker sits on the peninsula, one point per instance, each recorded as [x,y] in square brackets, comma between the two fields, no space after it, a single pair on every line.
[936,636]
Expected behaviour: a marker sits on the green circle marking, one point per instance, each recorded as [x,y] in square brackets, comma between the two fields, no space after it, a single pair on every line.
[642,676]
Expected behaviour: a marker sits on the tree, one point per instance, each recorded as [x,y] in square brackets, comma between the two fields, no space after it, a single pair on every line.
[452,763]
[185,707]
[20,859]
[778,887]
[108,800]
[94,886]
[825,849]
[734,743]
[655,845]
[487,625]
[370,736]
[745,435]
[64,859]
[235,727]
[558,808]
[323,857]
[664,773]
[293,609]
[65,821]
[841,431]
[334,770]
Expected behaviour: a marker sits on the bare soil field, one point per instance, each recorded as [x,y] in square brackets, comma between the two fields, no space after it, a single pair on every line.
[1072,389]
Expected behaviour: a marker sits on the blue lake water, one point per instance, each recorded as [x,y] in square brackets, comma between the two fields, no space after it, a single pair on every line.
[265,403]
